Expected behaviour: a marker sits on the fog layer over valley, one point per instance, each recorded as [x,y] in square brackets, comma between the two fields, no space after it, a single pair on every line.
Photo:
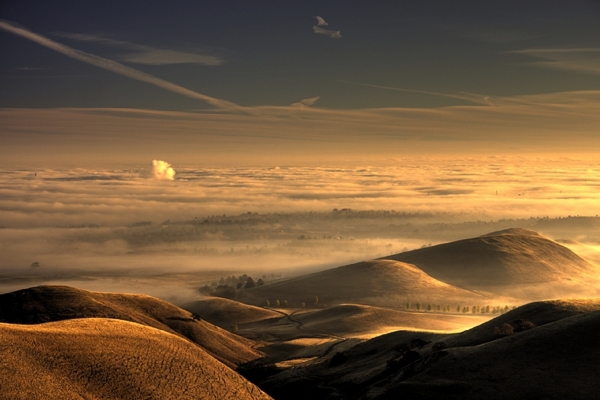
[123,229]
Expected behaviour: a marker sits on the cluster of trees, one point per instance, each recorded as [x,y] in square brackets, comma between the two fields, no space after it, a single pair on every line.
[228,286]
[458,308]
[240,282]
[284,303]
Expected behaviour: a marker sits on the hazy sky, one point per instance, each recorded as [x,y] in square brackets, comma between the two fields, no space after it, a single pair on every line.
[224,82]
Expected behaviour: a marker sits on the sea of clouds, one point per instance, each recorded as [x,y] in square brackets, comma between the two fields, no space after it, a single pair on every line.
[81,220]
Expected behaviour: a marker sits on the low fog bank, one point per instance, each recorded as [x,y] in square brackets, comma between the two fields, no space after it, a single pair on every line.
[480,189]
[105,228]
[161,258]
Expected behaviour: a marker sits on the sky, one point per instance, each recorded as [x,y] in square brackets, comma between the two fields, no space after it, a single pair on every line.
[290,83]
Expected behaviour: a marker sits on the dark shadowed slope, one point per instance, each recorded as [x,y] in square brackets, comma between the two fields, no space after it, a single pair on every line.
[537,313]
[225,312]
[55,303]
[556,361]
[110,359]
[501,259]
[378,282]
[482,362]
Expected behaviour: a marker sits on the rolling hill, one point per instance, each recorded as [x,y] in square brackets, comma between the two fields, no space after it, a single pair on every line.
[96,358]
[224,312]
[551,353]
[554,361]
[349,319]
[499,260]
[56,303]
[384,283]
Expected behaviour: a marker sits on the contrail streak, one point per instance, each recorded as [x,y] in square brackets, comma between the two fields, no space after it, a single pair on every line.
[464,96]
[113,65]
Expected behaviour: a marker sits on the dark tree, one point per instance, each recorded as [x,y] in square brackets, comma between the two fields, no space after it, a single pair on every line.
[225,291]
[249,283]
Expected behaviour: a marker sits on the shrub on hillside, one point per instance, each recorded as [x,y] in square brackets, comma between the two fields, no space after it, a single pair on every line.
[503,330]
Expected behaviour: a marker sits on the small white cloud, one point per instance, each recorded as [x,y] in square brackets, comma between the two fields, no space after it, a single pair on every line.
[321,21]
[332,34]
[162,170]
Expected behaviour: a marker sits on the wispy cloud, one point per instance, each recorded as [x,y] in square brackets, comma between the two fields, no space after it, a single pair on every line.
[141,54]
[112,65]
[331,34]
[582,60]
[552,123]
[473,98]
[321,21]
[306,102]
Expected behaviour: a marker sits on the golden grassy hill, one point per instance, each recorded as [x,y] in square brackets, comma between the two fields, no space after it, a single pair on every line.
[385,283]
[501,259]
[225,312]
[110,359]
[349,319]
[56,303]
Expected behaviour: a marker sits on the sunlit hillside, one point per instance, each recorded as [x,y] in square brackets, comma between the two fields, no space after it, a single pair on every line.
[102,358]
[55,303]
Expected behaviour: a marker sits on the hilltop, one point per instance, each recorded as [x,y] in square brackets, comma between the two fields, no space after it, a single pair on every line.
[111,359]
[55,303]
[501,260]
[224,312]
[384,283]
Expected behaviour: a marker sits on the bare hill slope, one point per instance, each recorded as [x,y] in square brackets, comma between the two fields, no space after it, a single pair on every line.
[110,359]
[346,319]
[501,259]
[376,282]
[56,303]
[225,312]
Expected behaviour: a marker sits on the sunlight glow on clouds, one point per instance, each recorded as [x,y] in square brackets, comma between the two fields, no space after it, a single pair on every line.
[477,188]
[582,60]
[162,170]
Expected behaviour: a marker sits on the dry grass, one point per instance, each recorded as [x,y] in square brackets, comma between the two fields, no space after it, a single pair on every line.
[352,319]
[110,359]
[554,358]
[225,312]
[56,303]
[501,260]
[384,283]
